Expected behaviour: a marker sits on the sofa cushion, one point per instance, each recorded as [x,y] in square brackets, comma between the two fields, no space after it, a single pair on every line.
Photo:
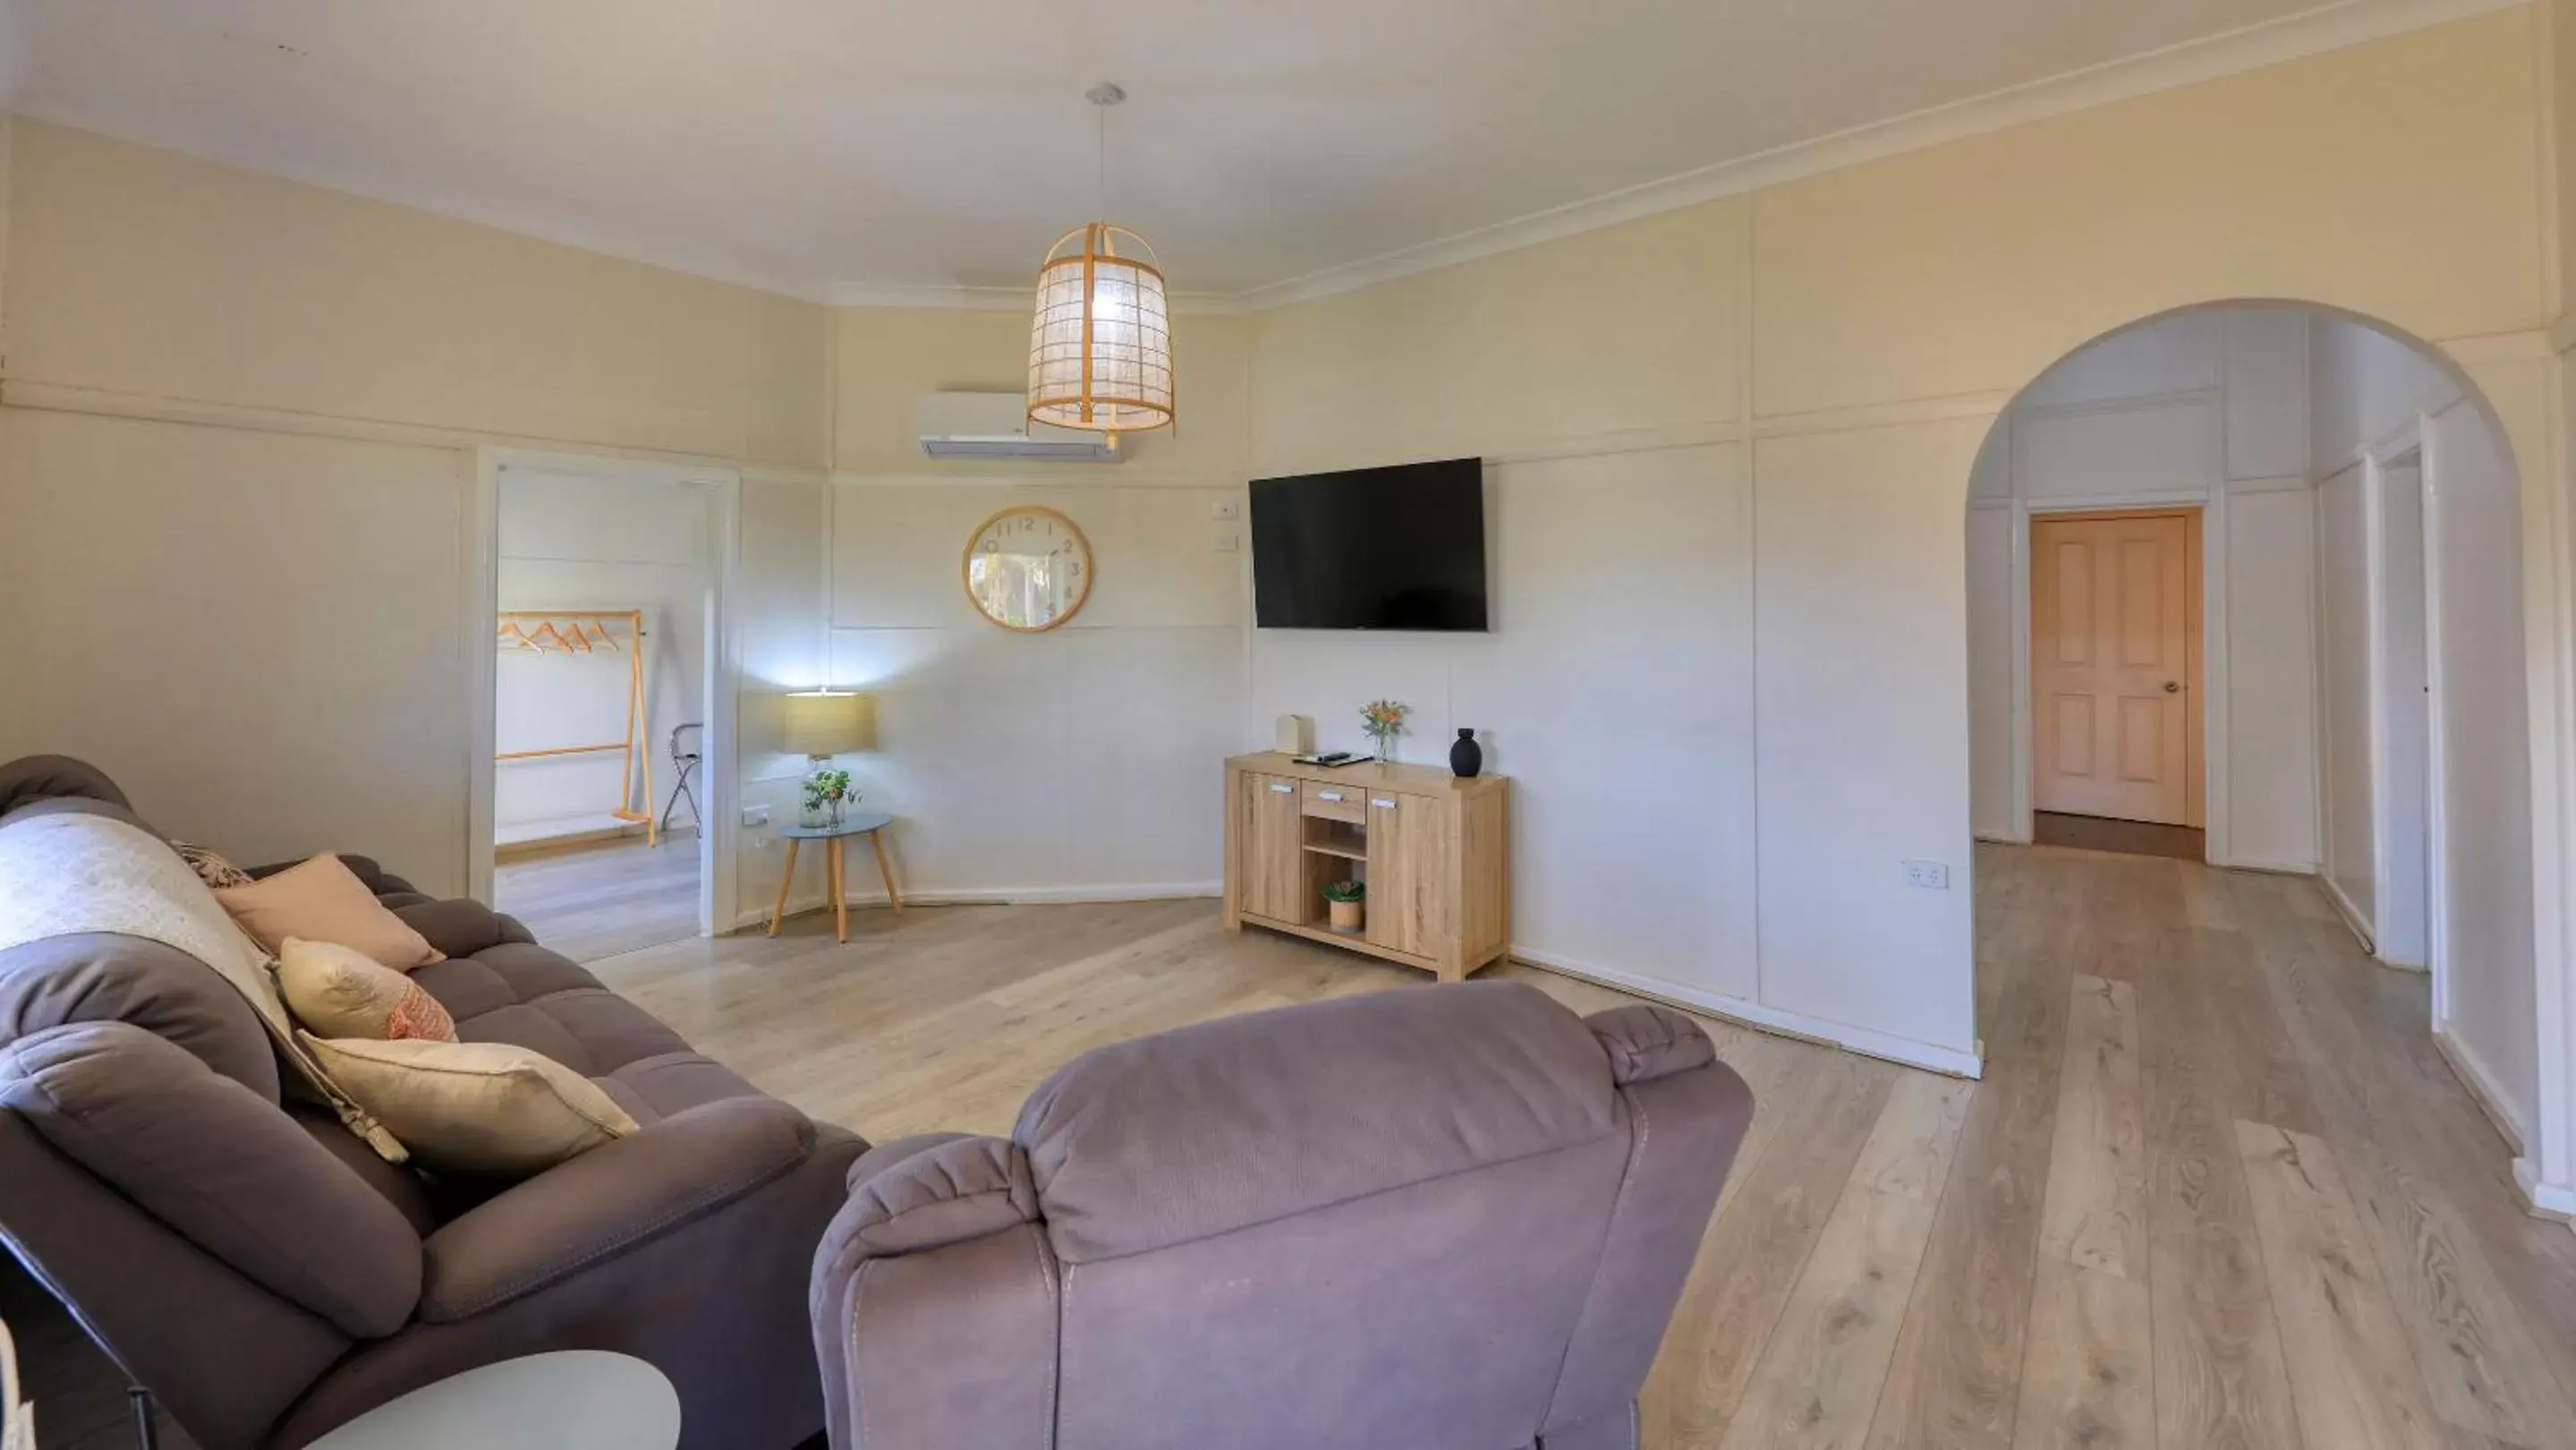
[1214,1127]
[337,991]
[323,900]
[485,1108]
[220,1165]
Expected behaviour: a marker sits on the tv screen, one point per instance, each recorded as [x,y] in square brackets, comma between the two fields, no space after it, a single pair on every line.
[1374,548]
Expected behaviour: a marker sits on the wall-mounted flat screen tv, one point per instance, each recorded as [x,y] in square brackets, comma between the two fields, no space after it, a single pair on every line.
[1373,548]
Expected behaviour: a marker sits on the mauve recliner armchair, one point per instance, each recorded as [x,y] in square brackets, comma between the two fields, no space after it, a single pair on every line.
[1442,1218]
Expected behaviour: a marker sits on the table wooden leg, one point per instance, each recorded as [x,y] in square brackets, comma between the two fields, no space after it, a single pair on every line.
[786,879]
[840,889]
[885,872]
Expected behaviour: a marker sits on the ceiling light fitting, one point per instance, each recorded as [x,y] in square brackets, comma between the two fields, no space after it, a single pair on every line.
[1100,349]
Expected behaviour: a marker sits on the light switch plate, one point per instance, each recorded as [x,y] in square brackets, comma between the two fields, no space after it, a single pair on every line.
[755,815]
[1228,544]
[1225,510]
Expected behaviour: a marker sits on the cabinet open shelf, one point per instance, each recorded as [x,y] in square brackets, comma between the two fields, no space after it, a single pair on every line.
[1347,850]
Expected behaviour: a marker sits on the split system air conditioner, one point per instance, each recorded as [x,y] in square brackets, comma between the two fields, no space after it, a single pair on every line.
[996,425]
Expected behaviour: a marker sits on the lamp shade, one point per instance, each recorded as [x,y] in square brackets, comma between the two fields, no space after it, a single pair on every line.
[1100,350]
[830,722]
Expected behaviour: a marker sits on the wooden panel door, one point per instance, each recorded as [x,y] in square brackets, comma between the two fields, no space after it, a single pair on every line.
[1408,874]
[1269,855]
[2115,665]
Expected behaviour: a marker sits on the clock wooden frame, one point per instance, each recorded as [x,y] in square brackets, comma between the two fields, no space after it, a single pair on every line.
[966,567]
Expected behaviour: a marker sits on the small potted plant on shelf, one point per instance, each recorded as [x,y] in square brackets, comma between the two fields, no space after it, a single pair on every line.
[1344,898]
[827,793]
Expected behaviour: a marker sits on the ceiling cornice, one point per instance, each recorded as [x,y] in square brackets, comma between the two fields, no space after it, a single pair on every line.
[997,299]
[2293,37]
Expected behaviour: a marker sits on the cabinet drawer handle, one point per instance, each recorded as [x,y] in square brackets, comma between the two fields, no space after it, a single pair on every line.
[1383,804]
[1279,789]
[1328,795]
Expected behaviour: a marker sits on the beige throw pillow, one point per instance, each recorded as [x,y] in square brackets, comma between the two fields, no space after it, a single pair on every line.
[337,991]
[323,900]
[475,1107]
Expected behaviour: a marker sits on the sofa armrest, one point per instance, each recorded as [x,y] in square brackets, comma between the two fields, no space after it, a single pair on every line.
[1646,1042]
[946,1191]
[609,1202]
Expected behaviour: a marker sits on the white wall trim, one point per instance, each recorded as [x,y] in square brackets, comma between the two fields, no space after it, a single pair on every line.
[2350,913]
[720,773]
[2543,1199]
[937,297]
[1862,1040]
[2480,1080]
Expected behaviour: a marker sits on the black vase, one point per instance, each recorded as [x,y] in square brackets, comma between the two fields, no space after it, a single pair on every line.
[1466,757]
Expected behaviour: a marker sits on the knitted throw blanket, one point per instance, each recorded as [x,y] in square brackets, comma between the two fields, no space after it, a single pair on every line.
[68,874]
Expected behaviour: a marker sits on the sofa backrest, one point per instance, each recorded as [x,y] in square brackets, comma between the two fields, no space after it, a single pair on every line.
[219,1245]
[1432,1218]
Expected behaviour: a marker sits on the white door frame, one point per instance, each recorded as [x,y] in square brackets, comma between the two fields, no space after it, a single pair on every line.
[2383,457]
[2212,505]
[718,776]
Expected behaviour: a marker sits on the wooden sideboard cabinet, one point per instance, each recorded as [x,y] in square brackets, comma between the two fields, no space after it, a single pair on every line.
[1434,851]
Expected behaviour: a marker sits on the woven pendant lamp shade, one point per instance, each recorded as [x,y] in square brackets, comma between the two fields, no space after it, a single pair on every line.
[1100,351]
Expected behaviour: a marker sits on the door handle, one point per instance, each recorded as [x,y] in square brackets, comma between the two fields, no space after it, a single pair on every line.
[1282,788]
[1384,805]
[2173,687]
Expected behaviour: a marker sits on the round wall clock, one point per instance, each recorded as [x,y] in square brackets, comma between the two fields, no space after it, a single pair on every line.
[1028,568]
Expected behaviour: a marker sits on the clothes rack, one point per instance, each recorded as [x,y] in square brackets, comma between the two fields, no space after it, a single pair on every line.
[588,631]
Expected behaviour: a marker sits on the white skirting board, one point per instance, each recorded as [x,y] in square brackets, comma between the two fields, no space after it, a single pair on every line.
[2350,913]
[757,918]
[1886,1046]
[2474,1075]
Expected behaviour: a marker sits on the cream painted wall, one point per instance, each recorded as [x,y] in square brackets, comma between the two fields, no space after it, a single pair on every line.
[1860,329]
[239,628]
[327,367]
[1971,266]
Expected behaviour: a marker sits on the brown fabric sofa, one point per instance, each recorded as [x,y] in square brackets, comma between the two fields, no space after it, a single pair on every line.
[1447,1218]
[267,1277]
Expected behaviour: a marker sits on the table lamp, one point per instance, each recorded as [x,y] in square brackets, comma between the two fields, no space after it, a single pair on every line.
[820,725]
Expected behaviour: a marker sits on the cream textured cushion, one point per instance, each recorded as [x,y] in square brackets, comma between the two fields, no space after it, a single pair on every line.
[338,991]
[474,1107]
[323,900]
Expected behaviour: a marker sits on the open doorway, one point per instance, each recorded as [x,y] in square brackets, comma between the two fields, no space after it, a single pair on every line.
[605,707]
[2364,758]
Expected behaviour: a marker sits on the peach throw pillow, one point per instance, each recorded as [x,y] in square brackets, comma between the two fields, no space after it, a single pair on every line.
[474,1107]
[336,991]
[323,900]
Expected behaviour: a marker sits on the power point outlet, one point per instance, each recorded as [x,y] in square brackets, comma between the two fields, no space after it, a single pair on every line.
[1225,510]
[755,815]
[1930,875]
[1228,544]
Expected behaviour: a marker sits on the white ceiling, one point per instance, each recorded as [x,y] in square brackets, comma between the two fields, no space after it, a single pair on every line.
[927,143]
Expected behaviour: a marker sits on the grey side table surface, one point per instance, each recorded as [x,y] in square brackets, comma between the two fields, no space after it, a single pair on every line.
[836,869]
[574,1399]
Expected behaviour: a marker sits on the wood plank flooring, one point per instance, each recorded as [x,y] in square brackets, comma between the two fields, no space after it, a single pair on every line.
[2216,1190]
[602,900]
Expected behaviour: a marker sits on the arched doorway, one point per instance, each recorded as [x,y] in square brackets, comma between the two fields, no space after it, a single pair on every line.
[2245,588]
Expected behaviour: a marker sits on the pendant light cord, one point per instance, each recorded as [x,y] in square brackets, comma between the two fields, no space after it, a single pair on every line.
[1104,161]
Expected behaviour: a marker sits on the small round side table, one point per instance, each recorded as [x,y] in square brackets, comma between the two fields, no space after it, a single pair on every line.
[574,1399]
[837,872]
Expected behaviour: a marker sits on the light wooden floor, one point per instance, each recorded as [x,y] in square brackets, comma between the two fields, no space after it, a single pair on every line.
[599,901]
[2217,1189]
